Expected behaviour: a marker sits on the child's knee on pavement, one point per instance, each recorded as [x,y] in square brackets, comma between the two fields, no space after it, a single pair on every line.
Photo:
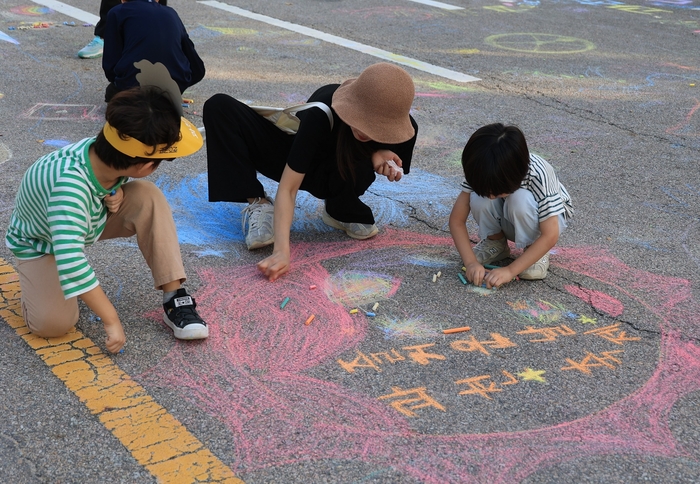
[47,322]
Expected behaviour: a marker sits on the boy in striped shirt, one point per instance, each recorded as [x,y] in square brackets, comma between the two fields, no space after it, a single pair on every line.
[79,194]
[513,195]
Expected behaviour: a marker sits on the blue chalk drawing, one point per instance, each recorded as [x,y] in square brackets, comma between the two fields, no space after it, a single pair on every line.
[217,226]
[7,38]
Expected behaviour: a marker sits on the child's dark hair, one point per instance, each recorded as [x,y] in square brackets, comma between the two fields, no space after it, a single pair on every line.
[144,113]
[348,151]
[495,160]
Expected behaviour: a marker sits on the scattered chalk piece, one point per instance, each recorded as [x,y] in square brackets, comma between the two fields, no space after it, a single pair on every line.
[434,277]
[456,330]
[376,305]
[439,273]
[354,311]
[312,286]
[284,303]
[370,314]
[121,350]
[311,318]
[461,278]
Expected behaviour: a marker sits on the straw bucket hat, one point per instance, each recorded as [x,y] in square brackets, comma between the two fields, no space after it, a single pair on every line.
[377,103]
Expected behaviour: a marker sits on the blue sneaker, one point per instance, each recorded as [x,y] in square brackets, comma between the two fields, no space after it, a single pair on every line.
[93,50]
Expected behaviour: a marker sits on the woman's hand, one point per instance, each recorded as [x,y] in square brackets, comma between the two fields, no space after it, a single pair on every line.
[387,163]
[275,265]
[113,202]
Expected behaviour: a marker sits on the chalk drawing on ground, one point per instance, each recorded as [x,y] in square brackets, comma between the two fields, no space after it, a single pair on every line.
[333,389]
[539,43]
[5,153]
[62,112]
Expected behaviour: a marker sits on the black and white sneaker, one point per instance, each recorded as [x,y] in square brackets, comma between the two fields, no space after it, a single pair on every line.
[181,316]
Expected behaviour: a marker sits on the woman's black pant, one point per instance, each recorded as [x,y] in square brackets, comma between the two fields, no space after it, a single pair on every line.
[241,143]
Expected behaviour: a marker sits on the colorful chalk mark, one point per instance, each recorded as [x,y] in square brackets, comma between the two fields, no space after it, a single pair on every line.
[538,43]
[32,11]
[598,300]
[62,112]
[344,420]
[354,288]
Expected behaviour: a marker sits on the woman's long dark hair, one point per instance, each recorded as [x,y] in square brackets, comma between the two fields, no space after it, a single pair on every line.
[350,152]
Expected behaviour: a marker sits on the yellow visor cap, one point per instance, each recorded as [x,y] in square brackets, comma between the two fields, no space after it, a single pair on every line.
[190,142]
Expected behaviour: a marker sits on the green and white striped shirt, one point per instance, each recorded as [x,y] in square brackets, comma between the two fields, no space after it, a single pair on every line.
[59,210]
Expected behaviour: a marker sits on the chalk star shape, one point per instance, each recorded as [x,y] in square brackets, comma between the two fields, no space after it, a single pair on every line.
[533,375]
[583,319]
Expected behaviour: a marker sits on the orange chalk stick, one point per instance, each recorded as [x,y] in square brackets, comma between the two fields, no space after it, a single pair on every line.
[455,330]
[311,318]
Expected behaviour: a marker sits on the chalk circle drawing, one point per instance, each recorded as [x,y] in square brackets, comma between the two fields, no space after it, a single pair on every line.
[264,371]
[62,112]
[686,126]
[539,43]
[327,392]
[5,153]
[32,11]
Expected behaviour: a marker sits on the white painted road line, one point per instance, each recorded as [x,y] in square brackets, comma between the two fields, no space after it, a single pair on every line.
[69,11]
[438,4]
[366,49]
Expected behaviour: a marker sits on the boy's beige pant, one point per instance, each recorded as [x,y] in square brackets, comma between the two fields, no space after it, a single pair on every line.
[144,212]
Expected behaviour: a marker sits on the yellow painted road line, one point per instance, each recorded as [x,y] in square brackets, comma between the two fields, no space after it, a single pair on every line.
[156,439]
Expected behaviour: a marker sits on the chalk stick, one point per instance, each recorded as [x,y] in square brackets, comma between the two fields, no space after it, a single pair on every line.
[461,278]
[312,286]
[376,305]
[456,330]
[311,318]
[284,303]
[353,311]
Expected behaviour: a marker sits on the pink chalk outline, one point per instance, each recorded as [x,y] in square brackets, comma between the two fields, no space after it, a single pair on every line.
[251,376]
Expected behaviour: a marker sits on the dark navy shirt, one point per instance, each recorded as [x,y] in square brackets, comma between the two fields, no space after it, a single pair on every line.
[142,29]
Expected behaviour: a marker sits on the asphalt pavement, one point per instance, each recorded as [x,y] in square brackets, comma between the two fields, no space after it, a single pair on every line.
[591,375]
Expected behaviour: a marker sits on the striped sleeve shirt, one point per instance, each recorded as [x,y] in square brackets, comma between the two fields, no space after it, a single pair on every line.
[59,210]
[542,181]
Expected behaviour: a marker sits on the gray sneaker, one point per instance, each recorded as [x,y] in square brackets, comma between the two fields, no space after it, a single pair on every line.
[93,50]
[536,271]
[353,229]
[488,251]
[260,231]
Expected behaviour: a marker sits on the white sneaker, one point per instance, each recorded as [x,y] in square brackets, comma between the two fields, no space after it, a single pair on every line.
[536,271]
[353,229]
[260,231]
[488,251]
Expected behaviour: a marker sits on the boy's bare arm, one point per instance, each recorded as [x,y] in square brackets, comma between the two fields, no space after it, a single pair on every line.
[460,235]
[98,302]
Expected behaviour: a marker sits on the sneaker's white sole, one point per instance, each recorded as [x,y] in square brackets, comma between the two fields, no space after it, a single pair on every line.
[191,331]
[259,245]
[330,221]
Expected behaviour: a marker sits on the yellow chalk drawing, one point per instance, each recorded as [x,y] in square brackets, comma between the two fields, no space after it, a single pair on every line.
[234,31]
[583,319]
[157,440]
[638,9]
[406,406]
[533,375]
[539,43]
[506,9]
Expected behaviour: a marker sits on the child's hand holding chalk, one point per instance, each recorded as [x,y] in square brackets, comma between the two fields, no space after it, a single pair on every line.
[114,200]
